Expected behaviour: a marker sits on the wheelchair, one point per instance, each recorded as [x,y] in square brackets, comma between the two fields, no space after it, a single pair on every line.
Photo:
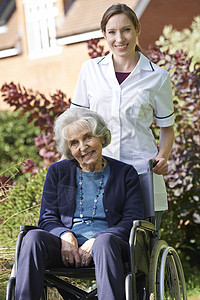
[154,271]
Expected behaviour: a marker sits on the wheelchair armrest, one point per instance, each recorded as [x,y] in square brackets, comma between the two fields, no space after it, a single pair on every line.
[140,225]
[147,229]
[26,228]
[143,224]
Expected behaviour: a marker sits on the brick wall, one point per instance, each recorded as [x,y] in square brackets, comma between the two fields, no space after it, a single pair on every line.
[179,13]
[46,74]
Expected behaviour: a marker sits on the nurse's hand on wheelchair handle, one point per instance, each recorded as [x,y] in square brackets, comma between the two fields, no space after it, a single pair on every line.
[160,166]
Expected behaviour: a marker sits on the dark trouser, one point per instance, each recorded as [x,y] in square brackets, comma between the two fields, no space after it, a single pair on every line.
[108,253]
[41,249]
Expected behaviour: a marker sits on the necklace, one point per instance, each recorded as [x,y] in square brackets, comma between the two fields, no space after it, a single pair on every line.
[99,190]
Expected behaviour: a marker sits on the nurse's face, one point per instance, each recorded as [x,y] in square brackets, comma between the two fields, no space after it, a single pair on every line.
[121,35]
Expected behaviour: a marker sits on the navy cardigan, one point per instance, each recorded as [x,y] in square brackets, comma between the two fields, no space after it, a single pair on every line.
[122,198]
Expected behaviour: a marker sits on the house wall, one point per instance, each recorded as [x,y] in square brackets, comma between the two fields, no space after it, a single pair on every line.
[46,74]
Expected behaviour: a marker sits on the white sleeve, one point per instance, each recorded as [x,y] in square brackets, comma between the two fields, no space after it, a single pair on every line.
[164,109]
[80,98]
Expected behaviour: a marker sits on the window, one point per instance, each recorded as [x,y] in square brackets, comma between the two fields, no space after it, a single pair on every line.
[40,16]
[67,5]
[7,7]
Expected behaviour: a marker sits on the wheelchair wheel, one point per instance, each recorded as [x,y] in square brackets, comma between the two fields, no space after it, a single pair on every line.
[44,295]
[166,277]
[172,279]
[154,270]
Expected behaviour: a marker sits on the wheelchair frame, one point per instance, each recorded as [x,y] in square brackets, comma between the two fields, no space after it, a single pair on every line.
[155,271]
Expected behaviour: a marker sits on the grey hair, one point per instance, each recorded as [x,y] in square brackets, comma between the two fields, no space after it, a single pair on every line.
[83,118]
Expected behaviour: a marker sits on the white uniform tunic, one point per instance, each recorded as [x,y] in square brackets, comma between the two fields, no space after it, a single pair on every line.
[129,109]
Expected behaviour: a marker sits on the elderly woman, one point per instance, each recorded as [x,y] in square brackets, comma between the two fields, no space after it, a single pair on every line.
[88,205]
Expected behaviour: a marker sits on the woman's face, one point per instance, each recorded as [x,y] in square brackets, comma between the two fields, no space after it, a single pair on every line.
[121,35]
[85,148]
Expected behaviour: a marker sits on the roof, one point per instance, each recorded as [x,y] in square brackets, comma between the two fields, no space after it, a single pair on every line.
[85,16]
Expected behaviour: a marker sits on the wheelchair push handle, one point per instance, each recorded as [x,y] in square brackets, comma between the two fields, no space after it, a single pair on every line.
[151,164]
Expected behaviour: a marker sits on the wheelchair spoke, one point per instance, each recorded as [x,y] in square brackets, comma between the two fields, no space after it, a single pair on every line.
[171,284]
[172,281]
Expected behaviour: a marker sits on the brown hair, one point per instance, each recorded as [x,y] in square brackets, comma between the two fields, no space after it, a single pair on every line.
[116,9]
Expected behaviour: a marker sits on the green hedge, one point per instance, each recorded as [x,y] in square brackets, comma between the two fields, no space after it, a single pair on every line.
[18,205]
[16,141]
[21,205]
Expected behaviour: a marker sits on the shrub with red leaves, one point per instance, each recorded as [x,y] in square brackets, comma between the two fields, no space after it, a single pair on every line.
[95,49]
[29,166]
[41,111]
[183,178]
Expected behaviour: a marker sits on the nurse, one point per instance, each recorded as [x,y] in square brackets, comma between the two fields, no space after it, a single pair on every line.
[130,91]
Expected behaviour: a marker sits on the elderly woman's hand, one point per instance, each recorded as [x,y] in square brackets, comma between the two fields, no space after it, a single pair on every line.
[85,252]
[69,250]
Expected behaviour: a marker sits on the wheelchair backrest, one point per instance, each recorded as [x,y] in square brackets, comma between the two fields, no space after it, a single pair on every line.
[146,182]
